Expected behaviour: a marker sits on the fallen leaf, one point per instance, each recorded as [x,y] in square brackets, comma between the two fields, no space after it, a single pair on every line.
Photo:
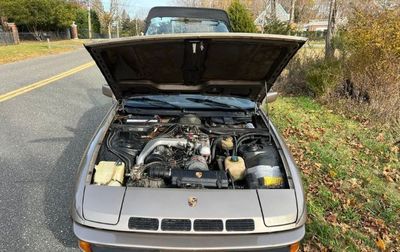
[332,218]
[380,137]
[354,183]
[318,165]
[394,149]
[380,243]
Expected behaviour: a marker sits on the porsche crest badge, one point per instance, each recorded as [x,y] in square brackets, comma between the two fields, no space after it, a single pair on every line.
[192,201]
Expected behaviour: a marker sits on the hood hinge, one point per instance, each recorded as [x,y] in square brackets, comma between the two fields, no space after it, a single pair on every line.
[121,105]
[266,100]
[267,110]
[256,104]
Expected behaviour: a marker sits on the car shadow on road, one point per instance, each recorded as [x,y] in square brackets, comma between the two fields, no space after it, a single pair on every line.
[61,181]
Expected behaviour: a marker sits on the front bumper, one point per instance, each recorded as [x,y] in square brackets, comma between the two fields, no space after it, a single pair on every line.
[105,240]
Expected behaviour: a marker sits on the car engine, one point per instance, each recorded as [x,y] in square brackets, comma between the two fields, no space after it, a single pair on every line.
[189,151]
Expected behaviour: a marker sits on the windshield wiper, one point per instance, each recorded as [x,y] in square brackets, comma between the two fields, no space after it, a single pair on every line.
[153,101]
[216,103]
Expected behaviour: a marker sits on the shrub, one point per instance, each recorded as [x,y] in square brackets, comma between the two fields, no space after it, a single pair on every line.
[278,27]
[293,79]
[324,76]
[240,18]
[363,80]
[371,44]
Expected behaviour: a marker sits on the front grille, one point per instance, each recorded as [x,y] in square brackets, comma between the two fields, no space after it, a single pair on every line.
[208,225]
[143,223]
[240,225]
[175,225]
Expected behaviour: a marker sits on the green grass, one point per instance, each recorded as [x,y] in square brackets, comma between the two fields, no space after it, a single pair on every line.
[351,174]
[25,50]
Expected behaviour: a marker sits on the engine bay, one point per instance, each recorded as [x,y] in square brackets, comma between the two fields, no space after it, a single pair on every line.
[189,151]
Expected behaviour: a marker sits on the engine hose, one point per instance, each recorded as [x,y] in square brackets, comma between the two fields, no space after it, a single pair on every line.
[154,143]
[235,141]
[141,170]
[220,163]
[209,131]
[169,130]
[116,153]
[132,152]
[214,146]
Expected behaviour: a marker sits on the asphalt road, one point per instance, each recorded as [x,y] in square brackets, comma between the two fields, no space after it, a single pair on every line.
[43,135]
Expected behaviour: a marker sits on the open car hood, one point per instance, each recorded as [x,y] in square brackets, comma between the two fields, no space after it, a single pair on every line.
[229,64]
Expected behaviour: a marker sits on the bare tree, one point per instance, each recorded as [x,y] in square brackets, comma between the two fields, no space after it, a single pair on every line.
[292,7]
[387,4]
[221,4]
[107,17]
[190,3]
[118,13]
[329,50]
[273,9]
[253,5]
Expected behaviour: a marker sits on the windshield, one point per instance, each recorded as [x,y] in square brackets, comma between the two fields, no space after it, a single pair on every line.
[184,101]
[166,25]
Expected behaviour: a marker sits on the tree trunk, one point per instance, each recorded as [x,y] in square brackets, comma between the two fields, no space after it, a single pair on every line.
[109,30]
[292,6]
[264,21]
[329,49]
[273,9]
[136,27]
[118,28]
[33,29]
[89,22]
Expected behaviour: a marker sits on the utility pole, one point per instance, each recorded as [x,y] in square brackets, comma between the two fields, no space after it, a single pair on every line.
[89,21]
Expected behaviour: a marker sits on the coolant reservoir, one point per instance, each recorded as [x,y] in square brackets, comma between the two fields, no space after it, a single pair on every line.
[109,173]
[236,167]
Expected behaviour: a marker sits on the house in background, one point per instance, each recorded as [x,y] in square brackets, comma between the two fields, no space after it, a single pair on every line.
[281,15]
[316,25]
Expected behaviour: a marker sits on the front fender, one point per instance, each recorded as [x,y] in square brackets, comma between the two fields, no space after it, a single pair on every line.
[85,169]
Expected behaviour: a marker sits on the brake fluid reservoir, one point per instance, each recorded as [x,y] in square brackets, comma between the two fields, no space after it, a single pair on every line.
[227,143]
[265,176]
[236,167]
[109,173]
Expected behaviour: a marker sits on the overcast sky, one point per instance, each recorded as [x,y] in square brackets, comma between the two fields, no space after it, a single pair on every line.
[139,7]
